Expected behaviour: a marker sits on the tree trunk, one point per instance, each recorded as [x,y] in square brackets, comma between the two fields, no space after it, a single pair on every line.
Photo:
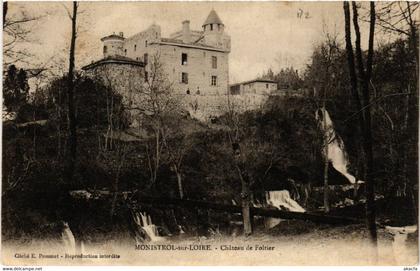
[5,8]
[326,141]
[367,127]
[413,115]
[70,93]
[246,212]
[246,215]
[180,189]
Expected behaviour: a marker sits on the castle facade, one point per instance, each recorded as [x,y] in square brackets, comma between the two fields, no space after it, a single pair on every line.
[195,62]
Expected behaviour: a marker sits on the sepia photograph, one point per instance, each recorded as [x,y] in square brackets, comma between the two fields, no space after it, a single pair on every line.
[210,133]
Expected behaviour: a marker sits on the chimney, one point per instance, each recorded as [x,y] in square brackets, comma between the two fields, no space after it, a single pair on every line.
[186,34]
[121,34]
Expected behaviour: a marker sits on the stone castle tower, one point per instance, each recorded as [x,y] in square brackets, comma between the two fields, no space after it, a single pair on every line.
[213,29]
[113,45]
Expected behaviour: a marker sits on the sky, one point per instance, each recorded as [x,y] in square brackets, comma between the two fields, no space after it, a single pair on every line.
[263,34]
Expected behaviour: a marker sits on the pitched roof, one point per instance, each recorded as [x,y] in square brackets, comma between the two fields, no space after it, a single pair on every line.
[213,18]
[113,36]
[254,81]
[196,44]
[114,60]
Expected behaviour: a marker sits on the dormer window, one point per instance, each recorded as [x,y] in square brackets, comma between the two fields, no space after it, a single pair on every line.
[105,49]
[135,47]
[125,51]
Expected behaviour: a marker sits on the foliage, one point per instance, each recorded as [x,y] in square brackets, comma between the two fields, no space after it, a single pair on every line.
[285,78]
[92,101]
[15,88]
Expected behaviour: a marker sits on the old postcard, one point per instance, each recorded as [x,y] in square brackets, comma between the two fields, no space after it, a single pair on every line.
[210,133]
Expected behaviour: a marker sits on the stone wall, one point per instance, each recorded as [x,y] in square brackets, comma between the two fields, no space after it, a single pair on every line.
[198,67]
[136,46]
[113,47]
[206,107]
[199,70]
[262,88]
[127,80]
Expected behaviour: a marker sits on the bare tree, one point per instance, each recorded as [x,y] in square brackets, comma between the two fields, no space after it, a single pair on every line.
[328,50]
[401,18]
[16,30]
[362,101]
[121,151]
[71,161]
[176,147]
[155,101]
[233,133]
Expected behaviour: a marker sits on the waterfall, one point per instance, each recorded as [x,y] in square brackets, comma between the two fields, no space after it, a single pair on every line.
[68,239]
[281,200]
[144,221]
[82,247]
[336,151]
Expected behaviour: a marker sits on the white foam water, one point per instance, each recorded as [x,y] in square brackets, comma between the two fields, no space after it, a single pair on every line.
[144,221]
[280,199]
[68,240]
[336,150]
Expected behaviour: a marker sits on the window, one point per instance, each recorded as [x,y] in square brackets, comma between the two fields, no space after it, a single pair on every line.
[184,78]
[145,59]
[184,59]
[266,85]
[146,76]
[214,80]
[125,51]
[214,62]
[145,43]
[235,90]
[211,27]
[135,47]
[105,49]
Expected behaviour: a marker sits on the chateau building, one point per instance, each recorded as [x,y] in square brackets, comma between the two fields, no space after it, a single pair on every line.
[195,62]
[256,86]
